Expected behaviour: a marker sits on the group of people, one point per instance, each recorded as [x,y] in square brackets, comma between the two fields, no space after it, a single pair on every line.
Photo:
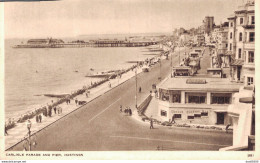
[48,111]
[38,118]
[127,110]
[67,101]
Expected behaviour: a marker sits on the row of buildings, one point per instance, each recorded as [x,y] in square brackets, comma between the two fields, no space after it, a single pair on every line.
[233,42]
[225,94]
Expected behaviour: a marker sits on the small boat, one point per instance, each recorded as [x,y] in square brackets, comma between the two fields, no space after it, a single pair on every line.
[107,74]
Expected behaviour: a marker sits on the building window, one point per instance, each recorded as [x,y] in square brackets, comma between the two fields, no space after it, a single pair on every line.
[221,98]
[253,20]
[240,36]
[251,36]
[250,80]
[163,113]
[231,24]
[176,98]
[226,45]
[197,98]
[205,114]
[230,35]
[239,53]
[190,117]
[241,20]
[230,46]
[197,115]
[251,57]
[178,116]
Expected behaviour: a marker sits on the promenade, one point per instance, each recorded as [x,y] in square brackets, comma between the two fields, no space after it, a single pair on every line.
[99,125]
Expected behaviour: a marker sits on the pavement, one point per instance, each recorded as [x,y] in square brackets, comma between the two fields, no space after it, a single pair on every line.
[99,126]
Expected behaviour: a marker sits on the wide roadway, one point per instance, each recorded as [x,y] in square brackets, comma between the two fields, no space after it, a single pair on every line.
[100,126]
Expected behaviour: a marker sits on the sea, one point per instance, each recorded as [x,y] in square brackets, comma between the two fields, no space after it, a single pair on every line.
[32,72]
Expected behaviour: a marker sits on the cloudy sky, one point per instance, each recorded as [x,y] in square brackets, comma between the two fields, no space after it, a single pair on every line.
[66,18]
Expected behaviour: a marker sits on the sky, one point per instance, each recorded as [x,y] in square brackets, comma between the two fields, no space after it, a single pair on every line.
[70,18]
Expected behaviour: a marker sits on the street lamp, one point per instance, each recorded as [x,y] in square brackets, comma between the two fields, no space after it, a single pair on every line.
[179,56]
[29,141]
[136,86]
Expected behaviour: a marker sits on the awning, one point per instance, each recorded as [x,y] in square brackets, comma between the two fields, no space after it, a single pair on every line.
[220,111]
[246,99]
[237,62]
[229,53]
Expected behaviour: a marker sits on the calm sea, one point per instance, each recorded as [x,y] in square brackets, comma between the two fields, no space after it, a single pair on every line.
[29,72]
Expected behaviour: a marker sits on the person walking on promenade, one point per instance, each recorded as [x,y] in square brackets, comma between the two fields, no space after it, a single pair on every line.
[140,89]
[40,118]
[76,101]
[55,109]
[67,101]
[45,112]
[37,118]
[50,111]
[87,94]
[121,110]
[29,125]
[130,112]
[151,123]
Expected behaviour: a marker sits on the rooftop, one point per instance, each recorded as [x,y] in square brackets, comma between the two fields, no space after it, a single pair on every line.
[211,84]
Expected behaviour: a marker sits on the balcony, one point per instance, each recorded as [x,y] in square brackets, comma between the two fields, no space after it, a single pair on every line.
[249,26]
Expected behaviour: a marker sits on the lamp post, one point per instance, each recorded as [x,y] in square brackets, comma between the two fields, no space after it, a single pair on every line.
[179,56]
[160,67]
[29,141]
[136,86]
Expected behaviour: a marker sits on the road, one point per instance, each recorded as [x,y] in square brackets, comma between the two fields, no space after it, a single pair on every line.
[100,126]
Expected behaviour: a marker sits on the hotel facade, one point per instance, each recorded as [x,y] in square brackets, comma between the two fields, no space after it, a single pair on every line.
[196,100]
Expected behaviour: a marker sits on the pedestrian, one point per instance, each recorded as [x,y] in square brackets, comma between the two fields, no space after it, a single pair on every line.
[76,101]
[50,112]
[130,112]
[29,125]
[227,127]
[40,118]
[151,123]
[60,110]
[140,89]
[55,109]
[87,94]
[67,101]
[121,109]
[37,118]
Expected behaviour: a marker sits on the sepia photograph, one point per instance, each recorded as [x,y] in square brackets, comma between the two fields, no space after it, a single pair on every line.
[128,79]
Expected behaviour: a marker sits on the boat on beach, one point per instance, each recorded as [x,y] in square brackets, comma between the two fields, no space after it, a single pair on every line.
[106,74]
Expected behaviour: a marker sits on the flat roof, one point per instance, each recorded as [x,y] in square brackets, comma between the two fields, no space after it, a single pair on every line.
[212,84]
